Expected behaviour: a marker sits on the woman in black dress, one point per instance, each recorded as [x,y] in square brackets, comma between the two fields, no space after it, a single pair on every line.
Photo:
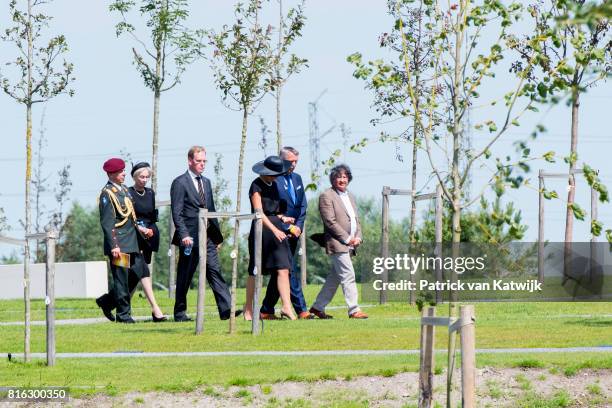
[275,250]
[143,199]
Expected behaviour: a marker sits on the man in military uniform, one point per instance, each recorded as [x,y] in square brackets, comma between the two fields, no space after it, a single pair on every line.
[118,222]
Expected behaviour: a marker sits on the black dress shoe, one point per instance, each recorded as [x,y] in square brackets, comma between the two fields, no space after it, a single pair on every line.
[129,320]
[183,318]
[226,315]
[158,319]
[108,312]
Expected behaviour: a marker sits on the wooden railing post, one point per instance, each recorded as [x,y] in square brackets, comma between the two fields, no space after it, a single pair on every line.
[256,327]
[303,258]
[468,356]
[426,367]
[171,260]
[203,244]
[541,227]
[50,295]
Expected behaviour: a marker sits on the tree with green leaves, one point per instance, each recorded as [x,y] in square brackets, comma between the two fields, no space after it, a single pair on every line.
[462,63]
[162,61]
[387,80]
[39,74]
[82,235]
[289,29]
[243,66]
[571,58]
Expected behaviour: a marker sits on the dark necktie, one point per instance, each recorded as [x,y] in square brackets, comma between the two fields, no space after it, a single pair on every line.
[201,192]
[290,189]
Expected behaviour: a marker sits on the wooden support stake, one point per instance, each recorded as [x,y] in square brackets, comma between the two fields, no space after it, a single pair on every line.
[171,261]
[50,297]
[541,228]
[468,357]
[303,258]
[256,327]
[384,241]
[203,244]
[426,367]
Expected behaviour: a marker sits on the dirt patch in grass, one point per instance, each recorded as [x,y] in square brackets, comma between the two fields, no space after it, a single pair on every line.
[511,387]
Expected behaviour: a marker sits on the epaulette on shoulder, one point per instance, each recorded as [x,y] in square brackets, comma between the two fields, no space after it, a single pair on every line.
[105,190]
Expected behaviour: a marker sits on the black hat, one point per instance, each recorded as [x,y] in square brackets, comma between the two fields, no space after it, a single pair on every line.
[272,166]
[138,166]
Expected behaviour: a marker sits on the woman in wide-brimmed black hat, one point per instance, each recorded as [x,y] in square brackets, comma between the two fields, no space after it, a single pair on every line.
[275,251]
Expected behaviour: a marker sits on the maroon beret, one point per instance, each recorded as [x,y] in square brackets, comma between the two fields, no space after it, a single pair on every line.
[113,165]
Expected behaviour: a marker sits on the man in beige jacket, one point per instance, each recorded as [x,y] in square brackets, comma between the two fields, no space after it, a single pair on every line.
[342,235]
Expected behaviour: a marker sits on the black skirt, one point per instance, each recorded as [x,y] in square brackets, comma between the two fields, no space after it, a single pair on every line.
[275,255]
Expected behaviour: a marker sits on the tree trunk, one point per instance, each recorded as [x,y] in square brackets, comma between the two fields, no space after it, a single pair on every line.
[279,85]
[456,189]
[26,254]
[279,137]
[159,58]
[155,144]
[415,135]
[28,177]
[154,150]
[245,117]
[411,235]
[571,188]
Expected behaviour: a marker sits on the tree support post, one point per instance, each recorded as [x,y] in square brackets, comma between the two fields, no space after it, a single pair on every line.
[256,326]
[426,365]
[468,356]
[303,258]
[50,296]
[171,261]
[203,241]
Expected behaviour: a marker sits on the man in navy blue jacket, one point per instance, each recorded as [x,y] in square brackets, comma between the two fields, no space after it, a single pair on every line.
[291,189]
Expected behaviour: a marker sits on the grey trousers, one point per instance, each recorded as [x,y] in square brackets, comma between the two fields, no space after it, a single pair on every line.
[341,273]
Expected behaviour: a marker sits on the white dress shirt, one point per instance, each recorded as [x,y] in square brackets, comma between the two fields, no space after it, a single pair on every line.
[195,182]
[350,211]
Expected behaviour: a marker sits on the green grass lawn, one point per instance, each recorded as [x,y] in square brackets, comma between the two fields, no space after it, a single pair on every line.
[392,326]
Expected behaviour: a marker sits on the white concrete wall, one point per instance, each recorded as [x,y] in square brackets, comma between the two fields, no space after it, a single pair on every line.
[72,280]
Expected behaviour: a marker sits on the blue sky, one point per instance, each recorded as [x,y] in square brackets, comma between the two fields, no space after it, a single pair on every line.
[112,112]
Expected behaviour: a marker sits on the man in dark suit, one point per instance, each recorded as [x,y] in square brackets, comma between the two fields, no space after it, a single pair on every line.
[118,222]
[291,190]
[188,194]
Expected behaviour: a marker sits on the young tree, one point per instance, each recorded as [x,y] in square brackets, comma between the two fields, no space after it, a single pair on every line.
[242,63]
[62,195]
[40,75]
[462,61]
[82,235]
[571,58]
[289,28]
[172,48]
[388,81]
[39,184]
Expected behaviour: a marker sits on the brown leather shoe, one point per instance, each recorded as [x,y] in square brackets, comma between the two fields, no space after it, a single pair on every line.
[320,314]
[268,316]
[358,315]
[305,316]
